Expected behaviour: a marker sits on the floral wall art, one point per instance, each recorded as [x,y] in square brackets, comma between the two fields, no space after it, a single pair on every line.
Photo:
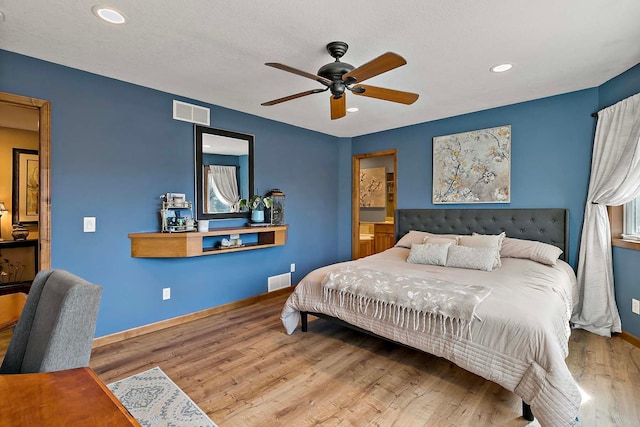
[372,188]
[473,167]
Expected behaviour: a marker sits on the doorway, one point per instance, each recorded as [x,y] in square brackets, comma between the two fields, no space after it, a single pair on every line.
[40,109]
[373,202]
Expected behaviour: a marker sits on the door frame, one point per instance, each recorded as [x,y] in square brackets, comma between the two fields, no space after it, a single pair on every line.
[355,191]
[44,153]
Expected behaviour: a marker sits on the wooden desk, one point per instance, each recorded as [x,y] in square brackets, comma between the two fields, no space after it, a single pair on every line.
[11,306]
[75,397]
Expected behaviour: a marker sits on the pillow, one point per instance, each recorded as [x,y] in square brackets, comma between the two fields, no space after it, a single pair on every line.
[471,258]
[431,254]
[484,241]
[440,240]
[446,236]
[410,238]
[414,236]
[529,249]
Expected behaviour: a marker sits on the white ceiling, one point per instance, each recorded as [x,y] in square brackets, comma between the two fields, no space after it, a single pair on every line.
[214,51]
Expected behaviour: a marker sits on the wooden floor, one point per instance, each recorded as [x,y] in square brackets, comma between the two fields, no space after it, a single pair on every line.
[243,370]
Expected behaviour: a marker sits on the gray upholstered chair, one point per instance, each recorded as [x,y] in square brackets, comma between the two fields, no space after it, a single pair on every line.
[56,328]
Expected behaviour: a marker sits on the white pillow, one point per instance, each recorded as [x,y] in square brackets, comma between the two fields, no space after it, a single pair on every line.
[414,236]
[471,258]
[439,240]
[484,241]
[431,254]
[529,249]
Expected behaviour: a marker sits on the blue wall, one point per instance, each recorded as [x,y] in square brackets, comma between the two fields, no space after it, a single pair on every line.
[550,147]
[626,262]
[344,195]
[115,148]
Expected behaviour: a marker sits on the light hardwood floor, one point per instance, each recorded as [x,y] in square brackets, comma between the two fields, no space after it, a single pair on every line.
[243,370]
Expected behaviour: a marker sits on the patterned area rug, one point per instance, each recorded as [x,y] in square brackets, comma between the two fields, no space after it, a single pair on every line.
[156,401]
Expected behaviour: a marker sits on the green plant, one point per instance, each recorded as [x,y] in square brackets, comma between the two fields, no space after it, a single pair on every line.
[256,202]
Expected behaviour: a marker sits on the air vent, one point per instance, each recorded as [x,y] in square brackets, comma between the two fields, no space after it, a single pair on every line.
[190,113]
[278,282]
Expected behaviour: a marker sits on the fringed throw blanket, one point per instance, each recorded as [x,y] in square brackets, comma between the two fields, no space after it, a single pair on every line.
[430,304]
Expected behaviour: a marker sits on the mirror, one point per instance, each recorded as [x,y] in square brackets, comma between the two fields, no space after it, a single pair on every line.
[224,172]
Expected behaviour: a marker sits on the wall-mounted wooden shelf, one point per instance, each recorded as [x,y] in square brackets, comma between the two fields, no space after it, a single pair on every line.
[181,245]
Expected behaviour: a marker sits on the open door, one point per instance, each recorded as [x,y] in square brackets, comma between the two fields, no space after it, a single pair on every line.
[373,202]
[43,110]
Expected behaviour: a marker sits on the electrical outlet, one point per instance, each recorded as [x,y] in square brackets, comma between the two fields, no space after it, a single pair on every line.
[293,267]
[89,224]
[166,293]
[635,306]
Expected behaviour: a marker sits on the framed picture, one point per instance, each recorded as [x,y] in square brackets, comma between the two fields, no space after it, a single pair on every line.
[473,167]
[26,186]
[372,188]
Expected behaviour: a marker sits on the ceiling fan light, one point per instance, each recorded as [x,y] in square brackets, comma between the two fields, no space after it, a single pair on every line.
[501,68]
[109,14]
[352,109]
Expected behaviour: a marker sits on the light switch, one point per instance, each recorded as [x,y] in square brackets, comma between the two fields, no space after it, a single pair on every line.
[89,224]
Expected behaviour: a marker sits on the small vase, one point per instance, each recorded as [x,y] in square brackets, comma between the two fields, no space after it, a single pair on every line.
[257,216]
[19,232]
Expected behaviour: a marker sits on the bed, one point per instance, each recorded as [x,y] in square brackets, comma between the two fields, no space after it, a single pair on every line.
[518,335]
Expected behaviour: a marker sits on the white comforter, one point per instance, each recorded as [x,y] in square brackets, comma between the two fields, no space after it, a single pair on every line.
[520,343]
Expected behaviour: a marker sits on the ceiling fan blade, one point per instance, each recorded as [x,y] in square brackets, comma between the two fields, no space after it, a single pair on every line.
[290,97]
[283,67]
[383,63]
[338,107]
[385,94]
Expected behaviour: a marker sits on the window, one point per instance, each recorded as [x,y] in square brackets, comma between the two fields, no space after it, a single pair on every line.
[617,221]
[631,220]
[215,204]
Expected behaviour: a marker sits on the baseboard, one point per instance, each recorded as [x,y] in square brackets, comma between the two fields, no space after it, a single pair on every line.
[630,338]
[163,324]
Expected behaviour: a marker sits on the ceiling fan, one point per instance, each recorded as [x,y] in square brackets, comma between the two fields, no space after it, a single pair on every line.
[338,77]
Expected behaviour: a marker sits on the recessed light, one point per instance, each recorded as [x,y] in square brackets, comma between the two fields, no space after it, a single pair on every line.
[501,68]
[352,109]
[109,14]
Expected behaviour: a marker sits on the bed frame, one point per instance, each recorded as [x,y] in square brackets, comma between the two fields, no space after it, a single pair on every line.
[547,225]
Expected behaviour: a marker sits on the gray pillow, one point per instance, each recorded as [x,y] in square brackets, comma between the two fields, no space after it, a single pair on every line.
[428,253]
[485,241]
[471,258]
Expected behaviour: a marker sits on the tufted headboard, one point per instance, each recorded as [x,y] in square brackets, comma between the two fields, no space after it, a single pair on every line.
[544,225]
